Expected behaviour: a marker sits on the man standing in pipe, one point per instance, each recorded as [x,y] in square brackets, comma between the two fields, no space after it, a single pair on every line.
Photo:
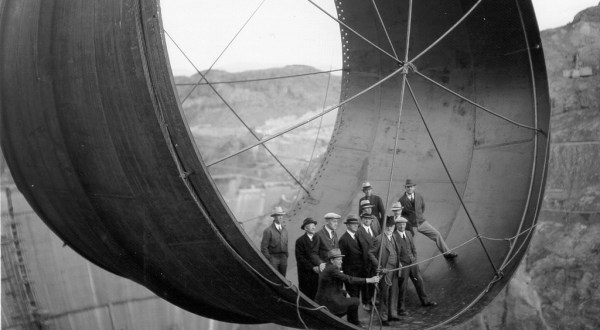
[274,243]
[308,264]
[408,256]
[413,207]
[378,209]
[327,238]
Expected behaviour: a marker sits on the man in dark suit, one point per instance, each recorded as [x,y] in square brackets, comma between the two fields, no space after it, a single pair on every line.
[366,234]
[327,238]
[390,251]
[352,246]
[378,209]
[367,208]
[274,243]
[330,293]
[308,264]
[408,256]
[413,207]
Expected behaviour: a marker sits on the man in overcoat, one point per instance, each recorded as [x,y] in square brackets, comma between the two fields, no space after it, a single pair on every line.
[366,235]
[274,243]
[413,207]
[308,264]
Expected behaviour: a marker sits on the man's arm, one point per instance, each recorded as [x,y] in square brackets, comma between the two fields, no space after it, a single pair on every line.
[302,255]
[381,208]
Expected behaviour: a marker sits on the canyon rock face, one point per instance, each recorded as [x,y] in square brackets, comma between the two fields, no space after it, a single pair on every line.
[558,284]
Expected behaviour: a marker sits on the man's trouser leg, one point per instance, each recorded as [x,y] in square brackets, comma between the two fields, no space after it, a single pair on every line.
[428,230]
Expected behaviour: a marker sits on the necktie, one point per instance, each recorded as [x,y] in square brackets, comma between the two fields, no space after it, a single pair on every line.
[370,232]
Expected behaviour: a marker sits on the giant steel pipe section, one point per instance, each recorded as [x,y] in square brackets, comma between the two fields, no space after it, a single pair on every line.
[94,135]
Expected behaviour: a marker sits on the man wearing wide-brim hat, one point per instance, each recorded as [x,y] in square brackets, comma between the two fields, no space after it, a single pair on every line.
[367,208]
[378,209]
[308,264]
[390,251]
[330,293]
[274,243]
[355,249]
[413,207]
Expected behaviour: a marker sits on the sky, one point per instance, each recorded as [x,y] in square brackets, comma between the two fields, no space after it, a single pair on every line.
[281,32]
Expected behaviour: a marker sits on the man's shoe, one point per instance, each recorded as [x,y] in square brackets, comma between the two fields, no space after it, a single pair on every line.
[403,313]
[450,255]
[394,318]
[385,323]
[430,304]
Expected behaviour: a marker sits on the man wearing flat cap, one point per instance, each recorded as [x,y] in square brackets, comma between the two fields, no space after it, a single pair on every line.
[356,254]
[330,293]
[274,243]
[408,256]
[413,207]
[378,209]
[308,264]
[327,238]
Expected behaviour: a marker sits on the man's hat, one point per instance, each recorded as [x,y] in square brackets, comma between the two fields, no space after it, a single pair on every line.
[350,219]
[400,219]
[366,185]
[306,222]
[365,203]
[389,221]
[409,183]
[332,215]
[334,253]
[277,211]
[397,206]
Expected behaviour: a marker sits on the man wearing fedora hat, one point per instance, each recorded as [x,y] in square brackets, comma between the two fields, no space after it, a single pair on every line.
[390,250]
[274,243]
[413,207]
[367,208]
[408,256]
[327,238]
[354,247]
[378,209]
[366,232]
[308,264]
[330,293]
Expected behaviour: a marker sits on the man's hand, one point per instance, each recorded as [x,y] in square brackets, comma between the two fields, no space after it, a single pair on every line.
[316,269]
[321,267]
[374,279]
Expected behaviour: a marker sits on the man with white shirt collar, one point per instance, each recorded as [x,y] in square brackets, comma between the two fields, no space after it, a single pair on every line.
[274,243]
[327,238]
[308,264]
[353,248]
[406,257]
[413,207]
[367,234]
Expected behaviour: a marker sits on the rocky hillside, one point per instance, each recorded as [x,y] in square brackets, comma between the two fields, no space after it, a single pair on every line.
[558,285]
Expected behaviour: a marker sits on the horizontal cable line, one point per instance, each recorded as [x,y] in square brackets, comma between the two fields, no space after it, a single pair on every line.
[476,104]
[447,32]
[260,79]
[356,33]
[269,138]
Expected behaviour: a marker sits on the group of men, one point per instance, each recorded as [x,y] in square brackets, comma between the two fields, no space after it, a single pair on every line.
[374,249]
